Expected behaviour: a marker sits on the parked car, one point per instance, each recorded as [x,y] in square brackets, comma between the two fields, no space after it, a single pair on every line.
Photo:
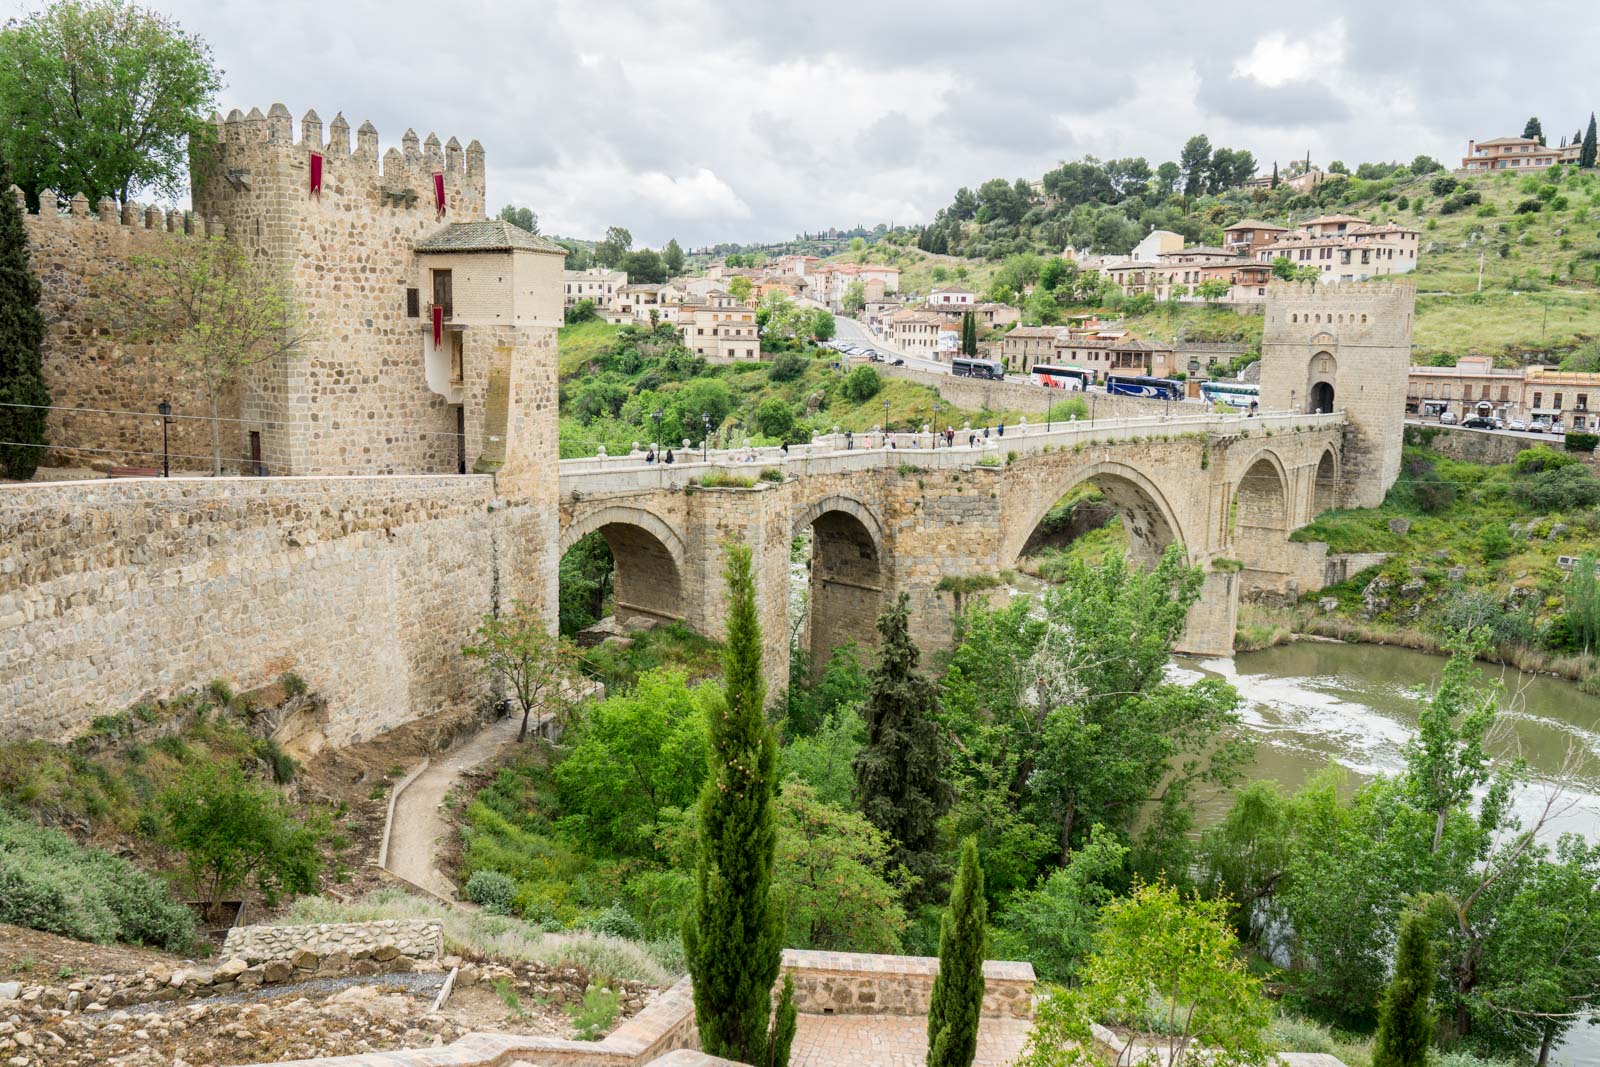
[897,362]
[1478,422]
[1518,425]
[1448,418]
[1539,426]
[1499,423]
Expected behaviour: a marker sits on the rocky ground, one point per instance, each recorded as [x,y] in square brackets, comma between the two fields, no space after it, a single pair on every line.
[122,1014]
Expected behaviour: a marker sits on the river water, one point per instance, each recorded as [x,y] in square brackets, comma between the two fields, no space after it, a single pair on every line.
[1312,702]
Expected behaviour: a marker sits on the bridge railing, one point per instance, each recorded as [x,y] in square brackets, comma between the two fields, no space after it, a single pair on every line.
[841,453]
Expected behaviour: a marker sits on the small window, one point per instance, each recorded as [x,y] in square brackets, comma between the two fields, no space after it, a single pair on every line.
[444,292]
[413,304]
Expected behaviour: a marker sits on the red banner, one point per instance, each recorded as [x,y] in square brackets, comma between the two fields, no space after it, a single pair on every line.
[438,191]
[316,174]
[438,326]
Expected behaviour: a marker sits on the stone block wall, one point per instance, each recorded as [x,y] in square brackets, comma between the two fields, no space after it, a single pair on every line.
[115,591]
[87,363]
[975,394]
[854,983]
[382,939]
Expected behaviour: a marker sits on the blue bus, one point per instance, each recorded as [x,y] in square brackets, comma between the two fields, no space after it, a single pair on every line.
[1234,394]
[1140,385]
[964,367]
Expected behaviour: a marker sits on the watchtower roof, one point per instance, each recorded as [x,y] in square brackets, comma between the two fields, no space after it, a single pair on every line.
[491,235]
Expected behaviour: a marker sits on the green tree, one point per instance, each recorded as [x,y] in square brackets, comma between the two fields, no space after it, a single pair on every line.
[643,265]
[633,756]
[672,256]
[787,366]
[1244,857]
[618,242]
[1274,184]
[580,311]
[584,576]
[21,344]
[1052,925]
[516,650]
[861,385]
[1041,308]
[1053,273]
[1586,155]
[1533,130]
[822,325]
[900,773]
[522,217]
[1582,602]
[1195,163]
[1405,1019]
[230,830]
[740,287]
[774,417]
[1425,165]
[214,309]
[957,1001]
[1283,267]
[969,334]
[854,301]
[1168,175]
[103,98]
[823,759]
[1213,289]
[733,934]
[836,876]
[1153,948]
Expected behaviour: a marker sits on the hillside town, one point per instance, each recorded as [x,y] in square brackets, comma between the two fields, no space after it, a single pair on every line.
[1141,613]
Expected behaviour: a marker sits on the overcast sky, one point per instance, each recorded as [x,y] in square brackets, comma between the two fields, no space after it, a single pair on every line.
[710,120]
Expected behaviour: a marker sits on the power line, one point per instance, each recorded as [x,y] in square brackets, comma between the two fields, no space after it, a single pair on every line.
[120,451]
[265,423]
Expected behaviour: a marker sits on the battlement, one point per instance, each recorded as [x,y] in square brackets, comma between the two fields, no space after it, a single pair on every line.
[131,215]
[1342,292]
[240,136]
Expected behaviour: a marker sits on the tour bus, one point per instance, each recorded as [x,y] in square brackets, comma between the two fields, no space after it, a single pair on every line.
[1234,394]
[964,367]
[1070,378]
[1141,385]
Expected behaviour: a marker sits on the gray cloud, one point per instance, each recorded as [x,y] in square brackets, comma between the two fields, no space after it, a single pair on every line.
[718,121]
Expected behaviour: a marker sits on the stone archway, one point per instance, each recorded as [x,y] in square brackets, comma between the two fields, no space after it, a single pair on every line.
[649,560]
[848,577]
[1325,489]
[1319,383]
[1262,500]
[1147,517]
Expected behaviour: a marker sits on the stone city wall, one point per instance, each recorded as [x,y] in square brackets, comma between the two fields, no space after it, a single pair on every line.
[116,591]
[854,983]
[381,939]
[87,363]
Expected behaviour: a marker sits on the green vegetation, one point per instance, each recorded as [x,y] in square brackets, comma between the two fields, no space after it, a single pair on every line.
[1480,549]
[21,341]
[733,932]
[1405,1023]
[49,883]
[957,1000]
[103,98]
[519,654]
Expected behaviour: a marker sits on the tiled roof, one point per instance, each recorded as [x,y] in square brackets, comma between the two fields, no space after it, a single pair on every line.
[1253,224]
[490,235]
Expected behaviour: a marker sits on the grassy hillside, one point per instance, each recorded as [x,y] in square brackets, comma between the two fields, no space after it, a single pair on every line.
[921,271]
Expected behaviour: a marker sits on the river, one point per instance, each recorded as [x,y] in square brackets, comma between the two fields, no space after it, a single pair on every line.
[1312,702]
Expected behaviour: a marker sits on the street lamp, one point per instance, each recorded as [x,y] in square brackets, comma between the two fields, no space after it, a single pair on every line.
[936,422]
[166,410]
[1092,399]
[886,424]
[658,427]
[705,436]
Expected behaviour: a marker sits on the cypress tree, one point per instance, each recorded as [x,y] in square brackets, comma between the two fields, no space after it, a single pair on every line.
[1533,131]
[900,772]
[1586,155]
[1405,1020]
[733,934]
[21,343]
[1274,174]
[957,1002]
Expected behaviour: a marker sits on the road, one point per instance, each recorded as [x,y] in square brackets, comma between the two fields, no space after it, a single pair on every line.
[1548,438]
[854,332]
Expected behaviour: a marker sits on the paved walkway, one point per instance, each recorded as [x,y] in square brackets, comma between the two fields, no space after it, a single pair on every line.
[894,1041]
[418,824]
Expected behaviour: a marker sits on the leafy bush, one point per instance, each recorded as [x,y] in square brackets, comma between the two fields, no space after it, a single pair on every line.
[596,1015]
[616,922]
[1443,185]
[492,891]
[787,366]
[1494,541]
[581,311]
[719,480]
[1560,489]
[861,384]
[1530,207]
[1581,442]
[293,685]
[1541,458]
[774,418]
[771,474]
[47,882]
[1459,202]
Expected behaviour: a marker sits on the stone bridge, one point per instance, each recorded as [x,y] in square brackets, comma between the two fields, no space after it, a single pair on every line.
[935,523]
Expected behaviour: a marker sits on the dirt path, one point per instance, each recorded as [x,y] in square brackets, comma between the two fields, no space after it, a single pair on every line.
[418,824]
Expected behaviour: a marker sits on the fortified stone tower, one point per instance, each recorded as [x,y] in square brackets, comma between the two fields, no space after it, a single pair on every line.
[372,248]
[1344,347]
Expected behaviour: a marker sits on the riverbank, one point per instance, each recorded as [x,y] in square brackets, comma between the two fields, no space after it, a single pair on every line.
[1263,627]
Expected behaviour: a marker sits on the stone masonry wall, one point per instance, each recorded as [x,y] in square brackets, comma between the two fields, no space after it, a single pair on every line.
[114,591]
[382,939]
[974,394]
[88,365]
[853,983]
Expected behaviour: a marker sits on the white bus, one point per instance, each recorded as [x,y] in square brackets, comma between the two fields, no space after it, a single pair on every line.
[1234,394]
[1075,379]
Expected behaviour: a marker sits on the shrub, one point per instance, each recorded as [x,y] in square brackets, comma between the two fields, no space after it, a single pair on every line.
[491,891]
[989,461]
[47,882]
[1559,489]
[1530,207]
[771,474]
[581,311]
[1581,442]
[1443,185]
[293,685]
[596,1015]
[786,367]
[1494,541]
[1457,203]
[719,480]
[774,418]
[1542,458]
[861,384]
[616,922]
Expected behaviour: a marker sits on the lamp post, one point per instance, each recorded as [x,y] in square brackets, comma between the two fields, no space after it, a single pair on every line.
[657,415]
[1292,409]
[936,422]
[705,436]
[885,424]
[1092,399]
[166,410]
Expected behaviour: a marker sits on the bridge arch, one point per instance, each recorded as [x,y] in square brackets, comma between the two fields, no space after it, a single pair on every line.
[1325,487]
[649,558]
[848,574]
[1262,499]
[1149,519]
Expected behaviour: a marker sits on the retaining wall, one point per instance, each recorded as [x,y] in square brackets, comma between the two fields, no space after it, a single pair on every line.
[974,394]
[383,939]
